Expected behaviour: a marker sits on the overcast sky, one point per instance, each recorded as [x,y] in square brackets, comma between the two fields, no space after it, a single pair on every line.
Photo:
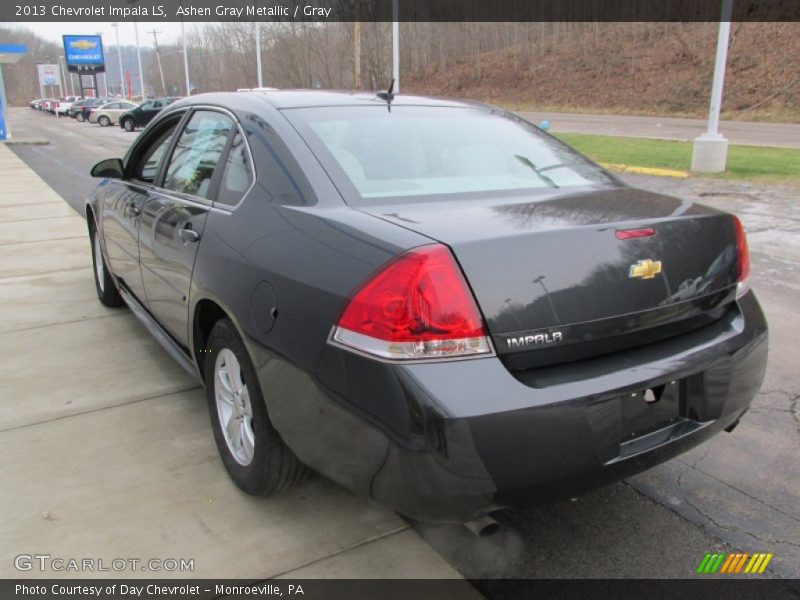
[169,32]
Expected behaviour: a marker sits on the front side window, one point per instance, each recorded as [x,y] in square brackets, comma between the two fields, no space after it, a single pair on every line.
[412,152]
[150,159]
[197,153]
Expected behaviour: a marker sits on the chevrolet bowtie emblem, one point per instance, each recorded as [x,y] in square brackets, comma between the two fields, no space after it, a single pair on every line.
[83,44]
[645,269]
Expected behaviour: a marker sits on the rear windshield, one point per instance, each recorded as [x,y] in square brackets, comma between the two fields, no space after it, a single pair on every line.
[415,151]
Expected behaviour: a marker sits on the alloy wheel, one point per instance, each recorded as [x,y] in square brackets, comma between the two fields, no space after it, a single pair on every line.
[233,407]
[99,269]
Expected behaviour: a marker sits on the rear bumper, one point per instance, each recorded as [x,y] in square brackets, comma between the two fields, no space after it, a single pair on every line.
[449,441]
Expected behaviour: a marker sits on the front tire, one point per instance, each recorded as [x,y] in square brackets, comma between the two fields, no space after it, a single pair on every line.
[104,121]
[128,125]
[106,288]
[251,449]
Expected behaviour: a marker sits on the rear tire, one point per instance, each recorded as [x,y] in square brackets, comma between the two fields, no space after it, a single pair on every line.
[250,448]
[128,125]
[107,290]
[104,121]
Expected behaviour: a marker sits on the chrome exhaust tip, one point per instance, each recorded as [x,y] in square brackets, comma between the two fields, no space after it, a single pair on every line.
[483,526]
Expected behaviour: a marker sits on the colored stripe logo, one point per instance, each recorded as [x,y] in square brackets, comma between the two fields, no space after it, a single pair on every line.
[737,562]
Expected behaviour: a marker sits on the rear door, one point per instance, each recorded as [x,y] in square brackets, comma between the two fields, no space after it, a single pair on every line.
[175,214]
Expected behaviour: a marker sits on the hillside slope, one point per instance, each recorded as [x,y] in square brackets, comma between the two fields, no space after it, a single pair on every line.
[633,68]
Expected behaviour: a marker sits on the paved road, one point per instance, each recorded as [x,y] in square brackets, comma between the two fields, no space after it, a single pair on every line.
[738,132]
[737,492]
[73,150]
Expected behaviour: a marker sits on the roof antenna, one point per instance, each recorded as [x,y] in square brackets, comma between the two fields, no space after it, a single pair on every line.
[387,95]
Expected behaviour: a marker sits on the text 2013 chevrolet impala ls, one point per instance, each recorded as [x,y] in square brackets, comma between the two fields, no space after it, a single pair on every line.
[430,302]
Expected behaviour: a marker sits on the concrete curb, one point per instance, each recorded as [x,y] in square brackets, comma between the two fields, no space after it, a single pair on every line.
[26,142]
[656,171]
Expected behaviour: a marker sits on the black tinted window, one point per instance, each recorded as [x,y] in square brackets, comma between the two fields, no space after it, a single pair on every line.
[197,153]
[238,174]
[151,157]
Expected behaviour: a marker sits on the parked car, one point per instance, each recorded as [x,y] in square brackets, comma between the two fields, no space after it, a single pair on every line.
[52,105]
[81,113]
[34,104]
[77,105]
[144,113]
[110,112]
[42,104]
[432,302]
[65,104]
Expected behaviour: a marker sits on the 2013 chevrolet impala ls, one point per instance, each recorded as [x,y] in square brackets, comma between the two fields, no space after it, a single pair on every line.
[433,303]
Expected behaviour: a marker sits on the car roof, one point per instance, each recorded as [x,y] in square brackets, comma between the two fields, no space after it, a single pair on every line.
[282,99]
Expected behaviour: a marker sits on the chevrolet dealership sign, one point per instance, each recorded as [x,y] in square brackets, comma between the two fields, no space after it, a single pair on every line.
[84,53]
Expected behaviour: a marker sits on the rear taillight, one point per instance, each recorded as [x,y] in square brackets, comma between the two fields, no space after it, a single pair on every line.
[743,254]
[630,234]
[417,306]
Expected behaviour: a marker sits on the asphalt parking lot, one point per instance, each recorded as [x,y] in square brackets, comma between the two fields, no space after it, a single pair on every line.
[107,447]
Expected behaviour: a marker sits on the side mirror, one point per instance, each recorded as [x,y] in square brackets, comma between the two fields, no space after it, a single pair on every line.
[110,168]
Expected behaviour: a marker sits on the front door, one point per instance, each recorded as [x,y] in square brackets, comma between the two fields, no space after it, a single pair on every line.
[175,214]
[122,202]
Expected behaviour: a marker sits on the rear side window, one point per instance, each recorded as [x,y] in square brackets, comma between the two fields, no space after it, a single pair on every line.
[238,174]
[197,153]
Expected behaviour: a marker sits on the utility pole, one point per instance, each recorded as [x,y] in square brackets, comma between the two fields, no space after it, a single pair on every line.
[158,58]
[395,47]
[185,58]
[258,54]
[119,58]
[357,49]
[138,51]
[139,59]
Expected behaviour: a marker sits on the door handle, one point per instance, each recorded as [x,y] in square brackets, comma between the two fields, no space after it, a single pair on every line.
[188,234]
[134,209]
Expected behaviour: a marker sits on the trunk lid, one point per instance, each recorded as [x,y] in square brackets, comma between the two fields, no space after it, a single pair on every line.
[555,283]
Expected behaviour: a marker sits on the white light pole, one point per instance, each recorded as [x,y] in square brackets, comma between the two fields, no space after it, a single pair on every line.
[258,54]
[139,59]
[63,73]
[185,58]
[710,152]
[395,47]
[119,58]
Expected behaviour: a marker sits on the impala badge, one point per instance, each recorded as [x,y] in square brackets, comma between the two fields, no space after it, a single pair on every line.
[645,269]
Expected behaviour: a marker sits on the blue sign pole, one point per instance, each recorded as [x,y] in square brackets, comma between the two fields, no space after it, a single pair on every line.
[3,129]
[9,53]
